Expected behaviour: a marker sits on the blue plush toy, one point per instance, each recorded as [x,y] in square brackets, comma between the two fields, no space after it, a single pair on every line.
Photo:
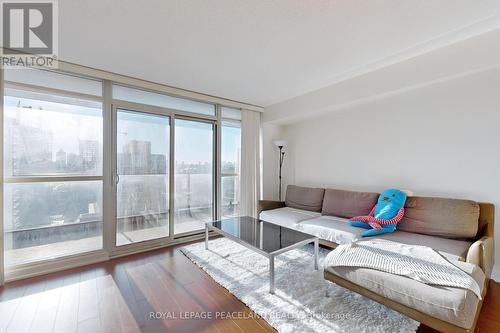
[386,214]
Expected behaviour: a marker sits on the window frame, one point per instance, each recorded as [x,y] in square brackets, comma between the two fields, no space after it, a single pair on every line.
[47,178]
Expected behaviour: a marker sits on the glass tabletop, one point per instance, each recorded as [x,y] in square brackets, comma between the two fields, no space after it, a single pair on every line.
[262,235]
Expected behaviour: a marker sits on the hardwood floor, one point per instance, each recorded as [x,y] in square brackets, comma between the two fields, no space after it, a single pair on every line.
[120,295]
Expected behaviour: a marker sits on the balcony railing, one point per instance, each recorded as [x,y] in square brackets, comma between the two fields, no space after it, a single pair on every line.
[47,234]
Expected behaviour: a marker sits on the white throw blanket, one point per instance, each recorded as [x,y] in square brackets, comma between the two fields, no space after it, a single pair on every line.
[420,263]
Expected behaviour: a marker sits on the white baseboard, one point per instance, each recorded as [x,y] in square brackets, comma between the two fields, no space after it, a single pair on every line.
[495,273]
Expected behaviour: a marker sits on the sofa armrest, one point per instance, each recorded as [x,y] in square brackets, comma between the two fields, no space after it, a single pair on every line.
[268,205]
[481,254]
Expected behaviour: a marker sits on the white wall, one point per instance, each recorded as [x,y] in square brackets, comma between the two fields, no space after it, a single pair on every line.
[442,139]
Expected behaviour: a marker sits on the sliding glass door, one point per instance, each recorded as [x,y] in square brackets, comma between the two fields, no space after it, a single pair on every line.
[142,176]
[194,174]
[142,165]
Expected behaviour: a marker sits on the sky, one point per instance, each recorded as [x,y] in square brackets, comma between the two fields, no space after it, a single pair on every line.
[70,123]
[194,140]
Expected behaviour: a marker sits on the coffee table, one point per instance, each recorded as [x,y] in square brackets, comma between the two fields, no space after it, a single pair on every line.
[262,237]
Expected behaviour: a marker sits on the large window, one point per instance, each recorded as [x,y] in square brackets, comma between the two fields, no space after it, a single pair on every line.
[87,162]
[194,175]
[230,169]
[53,80]
[53,167]
[161,100]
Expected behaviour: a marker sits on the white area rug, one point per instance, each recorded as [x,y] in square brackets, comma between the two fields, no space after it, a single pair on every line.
[299,303]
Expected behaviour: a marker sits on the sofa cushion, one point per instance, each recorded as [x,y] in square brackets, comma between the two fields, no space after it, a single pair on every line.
[348,203]
[451,218]
[330,228]
[286,216]
[450,248]
[453,305]
[338,230]
[304,198]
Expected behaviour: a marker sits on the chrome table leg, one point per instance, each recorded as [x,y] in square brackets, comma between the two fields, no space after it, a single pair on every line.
[206,237]
[271,274]
[316,253]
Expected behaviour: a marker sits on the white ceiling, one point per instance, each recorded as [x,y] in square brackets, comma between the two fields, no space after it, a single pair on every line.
[255,51]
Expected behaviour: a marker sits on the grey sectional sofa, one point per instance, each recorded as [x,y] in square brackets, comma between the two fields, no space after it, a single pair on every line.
[461,230]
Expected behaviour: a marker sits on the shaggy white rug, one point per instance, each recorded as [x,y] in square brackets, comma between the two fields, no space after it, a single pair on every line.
[299,303]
